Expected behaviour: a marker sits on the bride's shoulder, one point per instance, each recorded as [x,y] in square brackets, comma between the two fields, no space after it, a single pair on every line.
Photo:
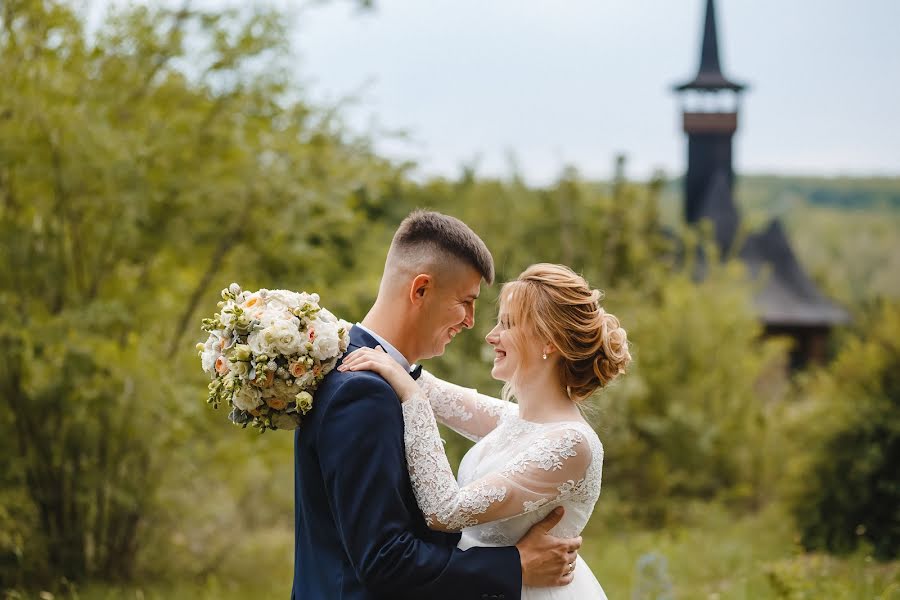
[579,432]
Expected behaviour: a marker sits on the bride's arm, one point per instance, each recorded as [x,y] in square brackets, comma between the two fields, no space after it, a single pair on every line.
[463,410]
[549,470]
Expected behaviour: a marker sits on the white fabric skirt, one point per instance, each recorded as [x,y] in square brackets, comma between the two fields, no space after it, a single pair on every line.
[583,587]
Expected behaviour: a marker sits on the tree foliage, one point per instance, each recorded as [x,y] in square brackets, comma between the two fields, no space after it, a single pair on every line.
[849,477]
[137,168]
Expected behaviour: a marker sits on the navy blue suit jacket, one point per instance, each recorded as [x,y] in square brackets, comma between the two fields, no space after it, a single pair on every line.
[359,533]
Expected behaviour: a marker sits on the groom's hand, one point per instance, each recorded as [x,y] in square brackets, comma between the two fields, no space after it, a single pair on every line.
[547,560]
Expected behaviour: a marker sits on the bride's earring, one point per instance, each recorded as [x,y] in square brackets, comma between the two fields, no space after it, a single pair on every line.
[545,356]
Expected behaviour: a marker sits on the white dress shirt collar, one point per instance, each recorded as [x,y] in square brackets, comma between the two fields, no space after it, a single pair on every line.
[392,352]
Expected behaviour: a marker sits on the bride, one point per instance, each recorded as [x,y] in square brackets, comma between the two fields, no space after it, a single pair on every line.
[554,345]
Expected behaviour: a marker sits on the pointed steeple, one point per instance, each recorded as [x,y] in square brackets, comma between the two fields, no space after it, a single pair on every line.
[709,75]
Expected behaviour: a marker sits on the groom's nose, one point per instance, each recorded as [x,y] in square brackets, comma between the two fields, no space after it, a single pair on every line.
[469,321]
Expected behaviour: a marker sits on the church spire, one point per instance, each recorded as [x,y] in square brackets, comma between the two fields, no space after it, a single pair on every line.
[709,75]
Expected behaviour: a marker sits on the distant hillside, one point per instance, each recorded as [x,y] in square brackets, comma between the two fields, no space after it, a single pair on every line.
[845,231]
[761,197]
[840,192]
[777,193]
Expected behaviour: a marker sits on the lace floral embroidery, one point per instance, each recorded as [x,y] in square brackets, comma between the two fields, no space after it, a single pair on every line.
[472,501]
[462,409]
[548,465]
[446,404]
[548,453]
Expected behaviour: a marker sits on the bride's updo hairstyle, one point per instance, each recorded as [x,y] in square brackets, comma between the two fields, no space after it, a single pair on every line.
[556,305]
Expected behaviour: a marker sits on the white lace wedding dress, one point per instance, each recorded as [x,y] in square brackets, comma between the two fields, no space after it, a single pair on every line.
[516,473]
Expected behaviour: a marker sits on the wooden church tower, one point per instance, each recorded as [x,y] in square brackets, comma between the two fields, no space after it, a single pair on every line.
[788,303]
[710,103]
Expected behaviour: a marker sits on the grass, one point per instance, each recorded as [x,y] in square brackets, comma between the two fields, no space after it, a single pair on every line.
[713,555]
[716,555]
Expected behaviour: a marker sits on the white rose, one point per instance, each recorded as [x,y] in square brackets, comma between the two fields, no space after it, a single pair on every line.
[246,398]
[259,344]
[269,316]
[284,337]
[210,352]
[283,299]
[326,343]
[226,317]
[326,315]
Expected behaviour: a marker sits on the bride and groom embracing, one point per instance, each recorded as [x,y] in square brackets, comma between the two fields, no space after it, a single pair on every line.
[379,513]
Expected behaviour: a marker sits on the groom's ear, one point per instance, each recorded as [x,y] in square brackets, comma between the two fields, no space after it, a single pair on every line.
[422,284]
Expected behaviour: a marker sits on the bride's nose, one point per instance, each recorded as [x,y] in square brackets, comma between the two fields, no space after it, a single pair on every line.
[492,338]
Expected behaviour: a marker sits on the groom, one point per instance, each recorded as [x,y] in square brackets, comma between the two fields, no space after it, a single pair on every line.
[359,532]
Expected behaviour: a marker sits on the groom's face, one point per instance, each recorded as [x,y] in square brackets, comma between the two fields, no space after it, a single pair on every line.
[450,309]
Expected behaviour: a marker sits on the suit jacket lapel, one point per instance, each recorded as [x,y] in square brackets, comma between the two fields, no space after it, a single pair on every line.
[359,338]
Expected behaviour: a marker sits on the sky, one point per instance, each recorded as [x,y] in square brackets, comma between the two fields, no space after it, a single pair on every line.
[576,82]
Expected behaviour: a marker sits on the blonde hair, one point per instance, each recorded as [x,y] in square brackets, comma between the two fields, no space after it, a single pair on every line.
[557,305]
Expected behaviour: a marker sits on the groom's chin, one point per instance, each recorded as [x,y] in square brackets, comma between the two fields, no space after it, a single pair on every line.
[432,353]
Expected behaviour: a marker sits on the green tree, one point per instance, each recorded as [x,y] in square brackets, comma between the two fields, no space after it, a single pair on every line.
[848,477]
[140,170]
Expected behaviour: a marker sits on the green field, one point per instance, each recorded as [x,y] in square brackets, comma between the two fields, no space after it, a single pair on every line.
[713,555]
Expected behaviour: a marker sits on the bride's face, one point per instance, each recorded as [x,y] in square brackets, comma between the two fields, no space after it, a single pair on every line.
[512,352]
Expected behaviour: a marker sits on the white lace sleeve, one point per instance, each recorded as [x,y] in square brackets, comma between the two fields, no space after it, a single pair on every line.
[550,469]
[463,410]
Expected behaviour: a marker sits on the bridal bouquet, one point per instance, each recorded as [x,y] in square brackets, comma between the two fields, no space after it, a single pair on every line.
[266,353]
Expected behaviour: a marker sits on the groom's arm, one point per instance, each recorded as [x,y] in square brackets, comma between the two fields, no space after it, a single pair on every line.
[361,453]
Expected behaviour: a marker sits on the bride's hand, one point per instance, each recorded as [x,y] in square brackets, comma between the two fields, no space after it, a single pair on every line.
[378,361]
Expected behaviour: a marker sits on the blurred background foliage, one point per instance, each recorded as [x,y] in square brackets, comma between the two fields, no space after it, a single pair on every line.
[148,165]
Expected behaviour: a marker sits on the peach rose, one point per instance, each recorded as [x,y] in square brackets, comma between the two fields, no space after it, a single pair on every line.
[221,365]
[251,302]
[276,403]
[297,368]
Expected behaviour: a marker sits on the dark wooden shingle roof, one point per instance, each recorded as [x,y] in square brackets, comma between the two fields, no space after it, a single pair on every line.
[788,296]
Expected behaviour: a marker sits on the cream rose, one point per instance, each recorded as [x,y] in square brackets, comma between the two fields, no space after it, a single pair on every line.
[304,402]
[246,398]
[285,421]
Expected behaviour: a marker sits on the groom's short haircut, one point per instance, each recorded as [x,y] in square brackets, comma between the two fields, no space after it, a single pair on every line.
[425,233]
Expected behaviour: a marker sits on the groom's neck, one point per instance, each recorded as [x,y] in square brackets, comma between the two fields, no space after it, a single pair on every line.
[392,327]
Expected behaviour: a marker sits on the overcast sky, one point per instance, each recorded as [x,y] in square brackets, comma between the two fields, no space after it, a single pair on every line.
[577,81]
[574,82]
